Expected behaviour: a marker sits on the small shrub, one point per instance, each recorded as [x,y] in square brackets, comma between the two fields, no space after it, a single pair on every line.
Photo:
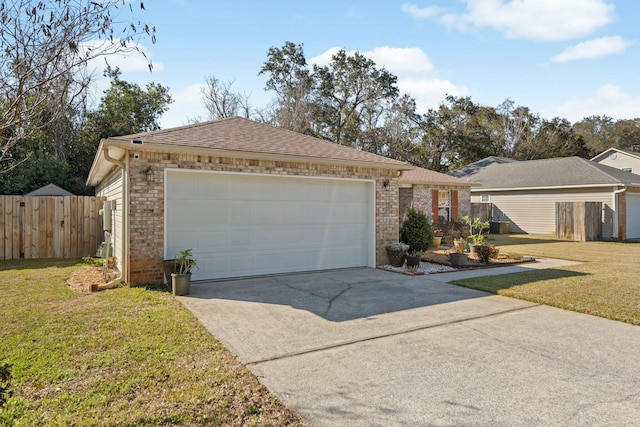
[486,252]
[416,231]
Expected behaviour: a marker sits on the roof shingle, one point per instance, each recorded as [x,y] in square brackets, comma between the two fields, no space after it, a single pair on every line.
[556,172]
[241,135]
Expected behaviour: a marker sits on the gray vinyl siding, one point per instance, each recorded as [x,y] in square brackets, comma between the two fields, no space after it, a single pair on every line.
[112,189]
[534,212]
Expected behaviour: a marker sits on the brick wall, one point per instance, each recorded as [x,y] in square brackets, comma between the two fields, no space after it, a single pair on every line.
[419,197]
[146,201]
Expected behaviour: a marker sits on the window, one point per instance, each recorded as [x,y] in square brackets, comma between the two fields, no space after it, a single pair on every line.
[627,169]
[485,198]
[444,206]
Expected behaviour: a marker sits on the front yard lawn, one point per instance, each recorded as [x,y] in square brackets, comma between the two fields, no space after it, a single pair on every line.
[121,357]
[606,284]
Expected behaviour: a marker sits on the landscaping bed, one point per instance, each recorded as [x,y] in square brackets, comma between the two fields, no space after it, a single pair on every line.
[441,256]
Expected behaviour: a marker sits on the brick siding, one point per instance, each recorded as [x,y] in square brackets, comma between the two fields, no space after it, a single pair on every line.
[146,201]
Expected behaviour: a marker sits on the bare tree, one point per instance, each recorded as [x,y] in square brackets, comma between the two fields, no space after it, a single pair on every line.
[222,102]
[45,47]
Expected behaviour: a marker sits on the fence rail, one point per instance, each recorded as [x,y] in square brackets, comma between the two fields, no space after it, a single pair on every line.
[49,227]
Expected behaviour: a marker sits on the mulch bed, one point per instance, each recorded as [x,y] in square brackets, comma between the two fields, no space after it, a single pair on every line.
[441,256]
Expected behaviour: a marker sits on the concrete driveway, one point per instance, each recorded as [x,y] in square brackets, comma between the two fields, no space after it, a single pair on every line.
[365,347]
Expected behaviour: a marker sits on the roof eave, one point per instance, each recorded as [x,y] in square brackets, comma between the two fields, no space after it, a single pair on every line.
[556,187]
[450,184]
[252,155]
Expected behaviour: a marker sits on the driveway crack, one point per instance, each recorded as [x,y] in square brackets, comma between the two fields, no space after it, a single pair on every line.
[335,297]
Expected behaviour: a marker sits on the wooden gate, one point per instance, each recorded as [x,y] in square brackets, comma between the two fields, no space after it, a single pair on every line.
[581,221]
[49,227]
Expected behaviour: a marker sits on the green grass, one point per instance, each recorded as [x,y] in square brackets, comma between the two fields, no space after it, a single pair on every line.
[123,357]
[606,284]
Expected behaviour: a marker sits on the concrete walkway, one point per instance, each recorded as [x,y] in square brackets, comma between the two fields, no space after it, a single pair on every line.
[365,347]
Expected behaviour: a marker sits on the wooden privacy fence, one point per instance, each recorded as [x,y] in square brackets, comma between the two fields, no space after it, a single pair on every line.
[49,227]
[484,211]
[581,221]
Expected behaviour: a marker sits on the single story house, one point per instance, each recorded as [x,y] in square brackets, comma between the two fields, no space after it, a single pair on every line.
[525,192]
[444,197]
[248,198]
[628,161]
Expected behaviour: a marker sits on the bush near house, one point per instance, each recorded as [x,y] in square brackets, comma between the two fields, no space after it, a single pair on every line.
[416,231]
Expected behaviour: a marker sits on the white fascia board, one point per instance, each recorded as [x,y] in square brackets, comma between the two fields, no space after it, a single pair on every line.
[559,187]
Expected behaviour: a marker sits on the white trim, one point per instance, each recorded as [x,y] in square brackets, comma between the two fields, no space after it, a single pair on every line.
[371,238]
[558,187]
[608,152]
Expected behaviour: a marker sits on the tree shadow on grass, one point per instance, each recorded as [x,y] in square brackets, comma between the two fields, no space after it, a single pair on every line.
[494,284]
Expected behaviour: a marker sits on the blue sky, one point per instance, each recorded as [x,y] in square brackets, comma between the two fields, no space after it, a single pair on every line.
[567,58]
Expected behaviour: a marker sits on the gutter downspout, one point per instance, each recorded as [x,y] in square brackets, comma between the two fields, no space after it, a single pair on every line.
[616,229]
[125,242]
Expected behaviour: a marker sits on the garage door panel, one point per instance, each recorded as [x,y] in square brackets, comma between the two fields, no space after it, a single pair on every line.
[633,216]
[242,225]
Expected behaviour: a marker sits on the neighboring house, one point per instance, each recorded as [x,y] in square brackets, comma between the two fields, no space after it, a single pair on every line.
[249,198]
[525,192]
[444,197]
[628,161]
[49,190]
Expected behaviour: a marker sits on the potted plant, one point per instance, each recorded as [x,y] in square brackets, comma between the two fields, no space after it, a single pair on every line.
[397,252]
[413,259]
[457,256]
[437,238]
[181,275]
[477,230]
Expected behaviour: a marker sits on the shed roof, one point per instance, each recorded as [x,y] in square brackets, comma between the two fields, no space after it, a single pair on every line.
[556,172]
[49,190]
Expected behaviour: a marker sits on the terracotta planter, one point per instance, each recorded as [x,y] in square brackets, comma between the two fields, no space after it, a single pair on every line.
[437,240]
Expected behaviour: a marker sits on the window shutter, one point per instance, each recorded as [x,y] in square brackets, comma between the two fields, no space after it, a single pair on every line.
[454,205]
[434,206]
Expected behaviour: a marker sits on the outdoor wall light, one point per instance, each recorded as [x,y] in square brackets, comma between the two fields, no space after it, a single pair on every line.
[385,183]
[149,173]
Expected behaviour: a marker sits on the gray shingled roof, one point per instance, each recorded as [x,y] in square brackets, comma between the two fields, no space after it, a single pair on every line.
[242,135]
[557,172]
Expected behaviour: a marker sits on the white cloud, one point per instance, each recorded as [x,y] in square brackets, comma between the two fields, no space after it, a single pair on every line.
[592,49]
[416,74]
[421,12]
[132,61]
[325,57]
[407,60]
[187,104]
[543,20]
[610,100]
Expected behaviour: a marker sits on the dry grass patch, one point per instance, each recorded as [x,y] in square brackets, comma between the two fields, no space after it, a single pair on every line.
[120,357]
[606,284]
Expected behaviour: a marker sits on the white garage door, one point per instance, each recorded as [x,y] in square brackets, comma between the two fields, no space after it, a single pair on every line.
[633,216]
[248,224]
